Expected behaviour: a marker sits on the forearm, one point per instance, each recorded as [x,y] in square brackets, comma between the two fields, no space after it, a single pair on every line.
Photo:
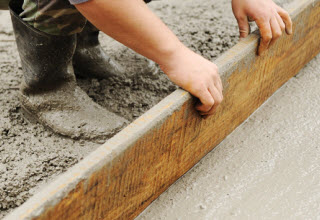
[134,25]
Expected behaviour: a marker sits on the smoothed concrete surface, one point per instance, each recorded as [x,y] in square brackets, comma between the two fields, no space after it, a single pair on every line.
[268,168]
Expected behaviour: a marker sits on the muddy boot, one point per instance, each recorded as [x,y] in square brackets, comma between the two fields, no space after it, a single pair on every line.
[90,60]
[49,92]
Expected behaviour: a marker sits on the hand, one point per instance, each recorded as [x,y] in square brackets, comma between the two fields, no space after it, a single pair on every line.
[139,24]
[270,18]
[198,76]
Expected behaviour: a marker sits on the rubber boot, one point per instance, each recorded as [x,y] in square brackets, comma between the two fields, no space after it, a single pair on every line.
[90,60]
[49,92]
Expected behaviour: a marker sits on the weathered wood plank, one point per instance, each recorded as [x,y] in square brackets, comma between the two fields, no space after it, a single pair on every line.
[122,177]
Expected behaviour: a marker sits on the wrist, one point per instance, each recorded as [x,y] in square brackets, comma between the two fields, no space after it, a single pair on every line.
[170,53]
[173,56]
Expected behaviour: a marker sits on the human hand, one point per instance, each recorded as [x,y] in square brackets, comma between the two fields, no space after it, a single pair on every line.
[139,24]
[198,76]
[270,18]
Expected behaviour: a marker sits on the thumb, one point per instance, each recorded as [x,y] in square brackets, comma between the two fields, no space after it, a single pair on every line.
[244,27]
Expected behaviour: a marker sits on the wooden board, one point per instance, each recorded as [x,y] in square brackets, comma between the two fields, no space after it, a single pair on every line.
[122,177]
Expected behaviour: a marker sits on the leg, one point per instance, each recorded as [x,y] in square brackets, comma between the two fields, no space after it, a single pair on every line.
[54,17]
[89,59]
[49,91]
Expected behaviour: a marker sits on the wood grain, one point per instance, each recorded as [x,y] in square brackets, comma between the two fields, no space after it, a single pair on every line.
[122,177]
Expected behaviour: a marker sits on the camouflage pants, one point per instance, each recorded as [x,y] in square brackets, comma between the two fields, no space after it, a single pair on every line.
[56,17]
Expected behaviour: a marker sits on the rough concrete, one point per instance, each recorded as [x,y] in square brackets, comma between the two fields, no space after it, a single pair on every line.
[29,154]
[32,155]
[268,168]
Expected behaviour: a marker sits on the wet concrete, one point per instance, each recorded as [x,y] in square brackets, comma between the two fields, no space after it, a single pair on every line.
[268,168]
[31,155]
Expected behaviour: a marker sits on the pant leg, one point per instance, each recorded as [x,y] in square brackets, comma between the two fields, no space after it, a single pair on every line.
[55,17]
[4,4]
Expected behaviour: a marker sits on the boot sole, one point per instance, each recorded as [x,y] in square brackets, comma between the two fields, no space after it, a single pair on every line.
[34,120]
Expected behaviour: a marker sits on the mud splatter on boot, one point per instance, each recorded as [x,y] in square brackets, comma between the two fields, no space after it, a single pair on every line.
[49,92]
[90,60]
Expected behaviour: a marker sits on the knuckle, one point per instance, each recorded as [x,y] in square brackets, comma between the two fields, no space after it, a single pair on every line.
[198,89]
[216,72]
[218,101]
[274,11]
[261,15]
[241,17]
[216,76]
[215,68]
[267,38]
[285,13]
[277,34]
[210,103]
[264,15]
[221,98]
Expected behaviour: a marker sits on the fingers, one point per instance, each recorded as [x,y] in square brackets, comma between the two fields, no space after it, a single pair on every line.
[209,92]
[276,30]
[271,30]
[218,97]
[277,27]
[207,101]
[280,21]
[266,35]
[286,19]
[210,99]
[244,27]
[218,83]
[216,80]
